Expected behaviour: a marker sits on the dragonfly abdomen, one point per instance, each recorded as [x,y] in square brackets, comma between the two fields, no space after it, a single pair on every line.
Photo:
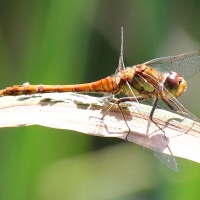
[104,85]
[26,89]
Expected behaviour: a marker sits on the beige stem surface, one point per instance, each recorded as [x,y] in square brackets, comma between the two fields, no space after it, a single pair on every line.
[83,113]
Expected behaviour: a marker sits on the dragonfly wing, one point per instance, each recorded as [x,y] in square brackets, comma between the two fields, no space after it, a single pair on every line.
[121,65]
[177,106]
[166,159]
[186,64]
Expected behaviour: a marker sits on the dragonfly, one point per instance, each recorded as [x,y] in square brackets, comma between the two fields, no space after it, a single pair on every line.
[159,79]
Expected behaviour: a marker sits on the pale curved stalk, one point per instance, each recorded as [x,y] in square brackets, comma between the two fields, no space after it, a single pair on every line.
[82,113]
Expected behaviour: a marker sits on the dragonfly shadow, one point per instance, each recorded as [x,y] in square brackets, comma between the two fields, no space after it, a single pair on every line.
[100,127]
[177,124]
[23,98]
[106,123]
[156,145]
[161,143]
[174,126]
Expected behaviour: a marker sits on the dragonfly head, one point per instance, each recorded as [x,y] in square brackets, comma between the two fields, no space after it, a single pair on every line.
[175,84]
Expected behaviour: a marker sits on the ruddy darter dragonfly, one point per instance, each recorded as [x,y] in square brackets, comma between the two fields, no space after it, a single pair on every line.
[161,78]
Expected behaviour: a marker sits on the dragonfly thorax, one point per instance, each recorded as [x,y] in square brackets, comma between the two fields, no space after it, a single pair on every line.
[174,83]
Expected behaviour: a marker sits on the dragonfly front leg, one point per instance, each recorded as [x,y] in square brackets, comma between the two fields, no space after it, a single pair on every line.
[155,104]
[141,97]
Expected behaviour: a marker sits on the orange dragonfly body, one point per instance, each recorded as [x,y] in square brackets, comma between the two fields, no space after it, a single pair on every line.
[139,82]
[142,79]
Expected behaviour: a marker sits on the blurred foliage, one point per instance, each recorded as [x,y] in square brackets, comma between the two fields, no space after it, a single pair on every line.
[66,42]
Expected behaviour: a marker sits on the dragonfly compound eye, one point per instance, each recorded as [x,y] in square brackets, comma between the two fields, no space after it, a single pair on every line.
[172,80]
[175,84]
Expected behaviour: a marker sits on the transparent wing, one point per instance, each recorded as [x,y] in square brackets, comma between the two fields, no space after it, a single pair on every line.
[166,159]
[186,64]
[178,107]
[121,65]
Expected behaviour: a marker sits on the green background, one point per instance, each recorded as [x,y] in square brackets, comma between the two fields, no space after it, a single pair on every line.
[67,42]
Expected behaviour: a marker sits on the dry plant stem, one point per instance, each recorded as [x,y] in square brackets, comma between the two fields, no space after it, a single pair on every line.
[83,113]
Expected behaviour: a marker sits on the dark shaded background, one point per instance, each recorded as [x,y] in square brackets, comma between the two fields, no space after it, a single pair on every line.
[66,42]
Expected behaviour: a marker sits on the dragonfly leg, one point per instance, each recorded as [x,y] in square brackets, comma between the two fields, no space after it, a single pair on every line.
[125,99]
[141,97]
[118,101]
[121,111]
[177,108]
[152,112]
